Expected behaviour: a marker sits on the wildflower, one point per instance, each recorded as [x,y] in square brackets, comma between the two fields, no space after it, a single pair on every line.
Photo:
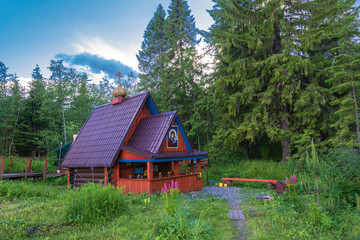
[165,188]
[287,181]
[172,184]
[176,185]
[294,179]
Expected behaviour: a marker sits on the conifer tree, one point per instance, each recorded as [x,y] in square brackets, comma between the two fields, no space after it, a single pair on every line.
[33,114]
[180,81]
[151,55]
[345,75]
[270,73]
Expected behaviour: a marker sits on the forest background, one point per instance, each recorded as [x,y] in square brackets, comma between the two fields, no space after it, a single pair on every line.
[273,76]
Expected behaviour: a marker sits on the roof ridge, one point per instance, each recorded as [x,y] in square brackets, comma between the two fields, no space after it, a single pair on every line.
[126,98]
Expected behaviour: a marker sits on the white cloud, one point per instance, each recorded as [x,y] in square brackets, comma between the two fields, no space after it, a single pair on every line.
[98,46]
[24,81]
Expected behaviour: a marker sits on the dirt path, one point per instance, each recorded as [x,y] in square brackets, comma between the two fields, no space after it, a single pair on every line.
[233,195]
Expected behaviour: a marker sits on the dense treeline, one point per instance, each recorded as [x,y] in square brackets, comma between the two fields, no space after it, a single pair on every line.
[281,73]
[36,119]
[286,72]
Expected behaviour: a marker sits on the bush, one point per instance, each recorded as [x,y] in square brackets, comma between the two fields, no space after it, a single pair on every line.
[183,224]
[94,203]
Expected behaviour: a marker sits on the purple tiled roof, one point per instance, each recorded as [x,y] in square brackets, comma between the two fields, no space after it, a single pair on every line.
[151,131]
[161,155]
[100,139]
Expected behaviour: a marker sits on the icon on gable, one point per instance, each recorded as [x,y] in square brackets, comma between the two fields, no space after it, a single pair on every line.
[172,137]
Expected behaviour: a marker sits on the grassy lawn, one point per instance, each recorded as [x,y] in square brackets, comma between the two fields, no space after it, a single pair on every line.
[48,210]
[39,210]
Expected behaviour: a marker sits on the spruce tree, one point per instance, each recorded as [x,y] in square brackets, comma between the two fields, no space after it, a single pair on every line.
[271,79]
[179,87]
[345,75]
[33,114]
[151,55]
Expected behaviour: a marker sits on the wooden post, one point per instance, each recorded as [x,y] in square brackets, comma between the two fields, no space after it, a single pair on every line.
[176,168]
[150,169]
[10,165]
[68,175]
[192,166]
[105,176]
[198,165]
[2,165]
[26,168]
[29,171]
[45,168]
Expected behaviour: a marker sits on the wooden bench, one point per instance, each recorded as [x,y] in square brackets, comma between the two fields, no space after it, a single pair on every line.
[280,186]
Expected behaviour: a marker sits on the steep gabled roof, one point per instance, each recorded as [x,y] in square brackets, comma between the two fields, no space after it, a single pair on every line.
[151,131]
[100,139]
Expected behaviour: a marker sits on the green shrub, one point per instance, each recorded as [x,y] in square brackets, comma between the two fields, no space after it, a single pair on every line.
[94,203]
[183,224]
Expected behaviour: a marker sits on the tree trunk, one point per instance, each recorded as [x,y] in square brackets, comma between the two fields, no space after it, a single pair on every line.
[246,150]
[12,139]
[356,107]
[286,151]
[63,115]
[317,191]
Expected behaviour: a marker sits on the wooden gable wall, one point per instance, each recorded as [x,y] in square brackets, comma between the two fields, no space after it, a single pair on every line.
[181,143]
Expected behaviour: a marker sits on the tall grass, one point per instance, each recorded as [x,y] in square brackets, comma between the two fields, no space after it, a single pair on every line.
[94,203]
[19,164]
[11,190]
[253,169]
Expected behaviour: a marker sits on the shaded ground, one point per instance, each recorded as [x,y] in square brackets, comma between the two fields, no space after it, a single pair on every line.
[232,195]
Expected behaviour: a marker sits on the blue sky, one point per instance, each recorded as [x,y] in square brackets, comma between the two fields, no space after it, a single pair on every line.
[103,34]
[92,32]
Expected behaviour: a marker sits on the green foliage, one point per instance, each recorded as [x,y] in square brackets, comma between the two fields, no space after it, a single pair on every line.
[290,218]
[254,169]
[270,77]
[171,201]
[94,203]
[183,224]
[41,217]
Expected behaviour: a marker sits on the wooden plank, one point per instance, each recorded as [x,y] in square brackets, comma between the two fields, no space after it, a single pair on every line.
[198,165]
[176,168]
[249,180]
[10,164]
[2,166]
[150,170]
[26,167]
[29,170]
[68,174]
[45,168]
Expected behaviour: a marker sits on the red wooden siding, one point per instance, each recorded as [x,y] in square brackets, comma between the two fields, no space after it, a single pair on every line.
[181,143]
[186,183]
[144,112]
[129,155]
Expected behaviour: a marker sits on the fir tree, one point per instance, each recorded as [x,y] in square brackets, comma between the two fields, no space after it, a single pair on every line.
[150,56]
[180,80]
[345,75]
[270,73]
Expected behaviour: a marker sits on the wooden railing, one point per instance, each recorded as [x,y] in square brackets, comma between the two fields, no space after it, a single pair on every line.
[29,161]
